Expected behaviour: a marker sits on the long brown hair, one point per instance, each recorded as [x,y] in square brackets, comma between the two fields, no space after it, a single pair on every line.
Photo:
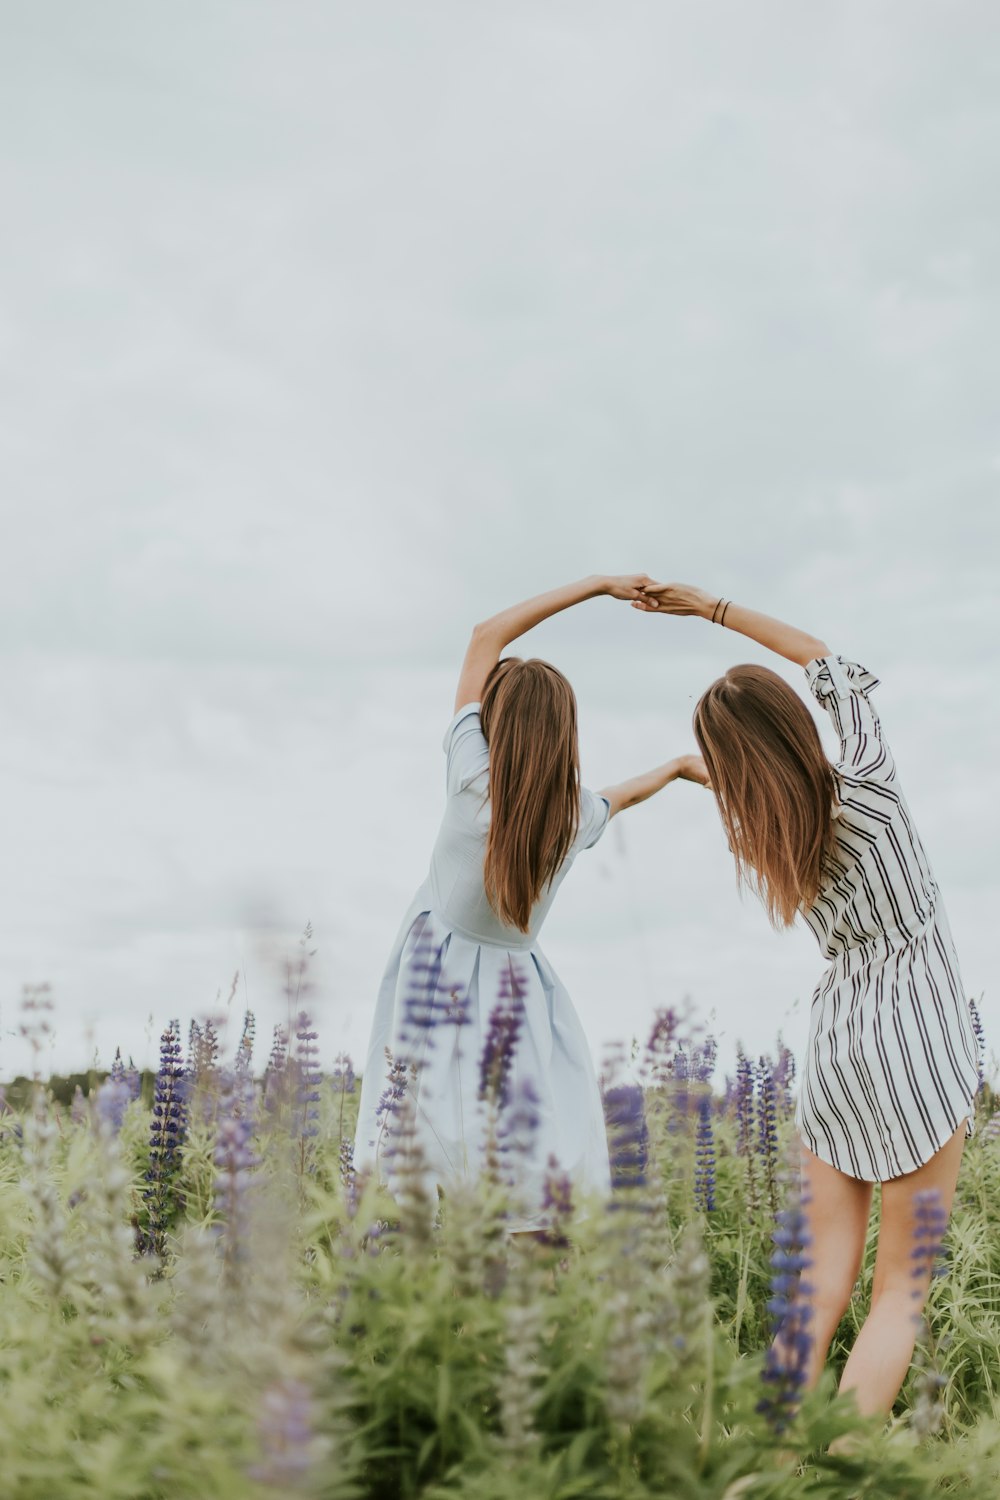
[773,784]
[528,714]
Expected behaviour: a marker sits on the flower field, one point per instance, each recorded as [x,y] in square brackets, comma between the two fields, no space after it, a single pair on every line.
[199,1298]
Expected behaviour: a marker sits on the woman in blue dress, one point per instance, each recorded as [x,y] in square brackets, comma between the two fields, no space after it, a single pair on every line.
[467,951]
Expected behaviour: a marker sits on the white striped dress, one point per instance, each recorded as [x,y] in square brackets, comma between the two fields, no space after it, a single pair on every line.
[892,1067]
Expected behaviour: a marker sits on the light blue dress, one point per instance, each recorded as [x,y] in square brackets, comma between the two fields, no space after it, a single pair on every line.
[452,961]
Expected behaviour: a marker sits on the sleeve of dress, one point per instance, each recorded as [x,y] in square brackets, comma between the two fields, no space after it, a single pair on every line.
[466,748]
[594,814]
[842,687]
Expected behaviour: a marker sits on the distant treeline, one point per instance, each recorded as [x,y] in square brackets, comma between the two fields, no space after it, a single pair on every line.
[62,1087]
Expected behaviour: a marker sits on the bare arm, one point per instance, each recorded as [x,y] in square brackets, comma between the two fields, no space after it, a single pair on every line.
[684,599]
[638,788]
[491,636]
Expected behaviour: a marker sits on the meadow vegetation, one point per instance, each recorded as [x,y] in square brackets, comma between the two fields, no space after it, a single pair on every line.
[200,1298]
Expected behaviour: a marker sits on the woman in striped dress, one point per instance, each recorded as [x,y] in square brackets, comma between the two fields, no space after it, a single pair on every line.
[891,1069]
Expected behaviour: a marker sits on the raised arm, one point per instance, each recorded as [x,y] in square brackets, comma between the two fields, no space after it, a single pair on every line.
[638,788]
[491,636]
[684,599]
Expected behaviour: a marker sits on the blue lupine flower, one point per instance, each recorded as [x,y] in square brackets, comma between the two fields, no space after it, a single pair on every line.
[78,1107]
[704,1173]
[786,1365]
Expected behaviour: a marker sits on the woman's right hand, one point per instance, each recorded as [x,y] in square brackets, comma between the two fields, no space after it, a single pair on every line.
[676,599]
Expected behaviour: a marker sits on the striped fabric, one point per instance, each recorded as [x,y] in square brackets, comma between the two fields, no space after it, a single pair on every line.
[891,1068]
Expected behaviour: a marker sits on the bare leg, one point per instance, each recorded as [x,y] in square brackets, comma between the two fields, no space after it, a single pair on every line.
[837,1209]
[883,1349]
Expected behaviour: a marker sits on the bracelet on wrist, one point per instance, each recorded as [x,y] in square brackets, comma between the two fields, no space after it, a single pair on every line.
[715,611]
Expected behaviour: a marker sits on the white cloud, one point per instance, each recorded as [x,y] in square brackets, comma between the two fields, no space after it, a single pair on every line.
[330,330]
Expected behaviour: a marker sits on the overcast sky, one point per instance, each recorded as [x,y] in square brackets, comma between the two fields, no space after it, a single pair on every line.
[330,328]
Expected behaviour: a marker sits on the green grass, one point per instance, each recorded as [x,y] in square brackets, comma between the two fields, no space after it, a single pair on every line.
[348,1345]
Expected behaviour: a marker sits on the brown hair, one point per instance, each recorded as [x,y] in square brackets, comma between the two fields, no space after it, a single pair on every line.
[528,715]
[773,784]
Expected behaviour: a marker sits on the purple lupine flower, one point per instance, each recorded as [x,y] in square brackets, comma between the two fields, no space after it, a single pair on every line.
[118,1067]
[308,1078]
[285,1429]
[980,1035]
[703,1059]
[503,1033]
[348,1177]
[767,1135]
[342,1075]
[680,1069]
[744,1105]
[343,1084]
[628,1139]
[391,1096]
[930,1224]
[456,1011]
[518,1131]
[244,1051]
[133,1081]
[110,1103]
[557,1204]
[275,1074]
[784,1078]
[786,1365]
[421,1007]
[167,1132]
[279,1050]
[372,1241]
[557,1191]
[235,1164]
[208,1062]
[743,1098]
[78,1107]
[704,1172]
[660,1044]
[195,1043]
